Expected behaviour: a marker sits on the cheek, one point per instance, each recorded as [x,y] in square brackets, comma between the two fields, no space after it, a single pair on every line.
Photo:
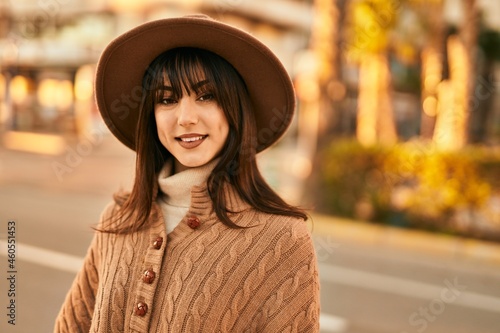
[223,126]
[161,123]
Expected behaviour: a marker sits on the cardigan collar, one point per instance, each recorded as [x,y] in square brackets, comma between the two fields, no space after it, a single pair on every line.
[176,188]
[201,214]
[201,206]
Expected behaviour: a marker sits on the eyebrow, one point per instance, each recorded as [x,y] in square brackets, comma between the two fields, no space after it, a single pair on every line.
[195,86]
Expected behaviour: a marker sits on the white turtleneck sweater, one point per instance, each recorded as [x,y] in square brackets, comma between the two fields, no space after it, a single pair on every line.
[176,190]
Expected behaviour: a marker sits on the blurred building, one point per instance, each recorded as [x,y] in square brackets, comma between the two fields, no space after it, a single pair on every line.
[48,52]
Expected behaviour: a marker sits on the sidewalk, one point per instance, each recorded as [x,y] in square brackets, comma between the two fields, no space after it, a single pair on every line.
[97,165]
[445,246]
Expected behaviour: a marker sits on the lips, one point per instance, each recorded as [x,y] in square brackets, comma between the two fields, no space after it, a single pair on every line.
[190,141]
[194,138]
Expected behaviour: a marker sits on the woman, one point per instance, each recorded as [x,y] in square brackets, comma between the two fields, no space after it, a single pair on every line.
[201,244]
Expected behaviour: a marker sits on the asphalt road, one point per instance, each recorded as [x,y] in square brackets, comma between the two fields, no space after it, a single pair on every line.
[365,289]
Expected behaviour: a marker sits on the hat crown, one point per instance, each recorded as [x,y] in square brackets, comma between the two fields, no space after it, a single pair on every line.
[199,16]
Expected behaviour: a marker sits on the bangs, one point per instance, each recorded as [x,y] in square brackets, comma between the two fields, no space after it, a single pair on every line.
[183,71]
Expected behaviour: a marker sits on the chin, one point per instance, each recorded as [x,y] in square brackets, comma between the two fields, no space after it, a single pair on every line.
[193,163]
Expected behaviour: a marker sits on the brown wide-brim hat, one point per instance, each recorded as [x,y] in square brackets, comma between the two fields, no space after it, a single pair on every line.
[125,60]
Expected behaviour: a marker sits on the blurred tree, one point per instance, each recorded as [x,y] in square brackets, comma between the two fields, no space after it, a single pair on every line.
[456,92]
[326,43]
[315,82]
[469,32]
[432,52]
[457,64]
[319,86]
[453,95]
[369,26]
[317,78]
[482,103]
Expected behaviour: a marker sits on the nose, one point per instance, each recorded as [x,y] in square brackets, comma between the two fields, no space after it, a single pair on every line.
[186,115]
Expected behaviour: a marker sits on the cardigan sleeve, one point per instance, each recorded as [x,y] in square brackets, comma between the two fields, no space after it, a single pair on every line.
[294,303]
[76,313]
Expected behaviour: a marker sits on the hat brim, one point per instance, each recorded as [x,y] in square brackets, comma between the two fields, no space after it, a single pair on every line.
[122,65]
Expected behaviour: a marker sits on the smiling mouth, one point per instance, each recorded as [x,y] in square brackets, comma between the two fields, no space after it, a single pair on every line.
[191,139]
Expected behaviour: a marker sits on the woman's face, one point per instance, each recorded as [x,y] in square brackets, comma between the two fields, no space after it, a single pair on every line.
[193,128]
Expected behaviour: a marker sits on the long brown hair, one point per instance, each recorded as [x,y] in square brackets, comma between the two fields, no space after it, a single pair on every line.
[183,68]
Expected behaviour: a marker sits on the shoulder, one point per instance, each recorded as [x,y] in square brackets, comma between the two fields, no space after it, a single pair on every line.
[282,221]
[287,229]
[112,209]
[109,211]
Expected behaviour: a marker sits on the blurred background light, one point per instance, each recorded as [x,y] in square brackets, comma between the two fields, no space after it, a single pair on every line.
[84,83]
[19,89]
[34,143]
[53,93]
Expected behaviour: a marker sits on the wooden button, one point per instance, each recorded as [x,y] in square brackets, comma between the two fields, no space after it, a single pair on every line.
[193,222]
[149,276]
[158,242]
[141,309]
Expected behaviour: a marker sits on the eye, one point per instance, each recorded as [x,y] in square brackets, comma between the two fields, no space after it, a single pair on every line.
[206,97]
[167,101]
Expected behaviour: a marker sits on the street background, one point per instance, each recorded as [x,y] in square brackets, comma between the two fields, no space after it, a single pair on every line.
[394,149]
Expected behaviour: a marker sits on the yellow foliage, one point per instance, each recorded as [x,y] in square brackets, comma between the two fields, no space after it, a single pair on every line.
[438,181]
[370,23]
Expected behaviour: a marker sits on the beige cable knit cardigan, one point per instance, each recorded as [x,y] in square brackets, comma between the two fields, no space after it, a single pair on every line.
[202,277]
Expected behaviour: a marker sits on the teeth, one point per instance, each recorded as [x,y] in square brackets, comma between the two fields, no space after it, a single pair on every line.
[196,138]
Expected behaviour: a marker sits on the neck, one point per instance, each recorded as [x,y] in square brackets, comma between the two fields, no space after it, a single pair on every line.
[179,167]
